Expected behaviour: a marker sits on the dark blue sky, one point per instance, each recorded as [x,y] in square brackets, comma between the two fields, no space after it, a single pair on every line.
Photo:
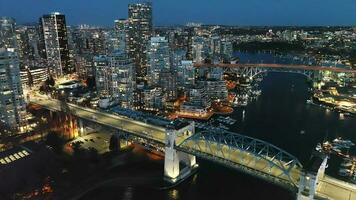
[167,12]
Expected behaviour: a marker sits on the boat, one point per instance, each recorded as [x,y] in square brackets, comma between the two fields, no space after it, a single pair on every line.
[339,142]
[344,172]
[346,163]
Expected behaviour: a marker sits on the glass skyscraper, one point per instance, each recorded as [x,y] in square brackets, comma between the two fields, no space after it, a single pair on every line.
[139,34]
[12,104]
[54,43]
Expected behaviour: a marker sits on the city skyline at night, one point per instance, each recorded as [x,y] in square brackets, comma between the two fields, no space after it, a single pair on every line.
[227,12]
[177,100]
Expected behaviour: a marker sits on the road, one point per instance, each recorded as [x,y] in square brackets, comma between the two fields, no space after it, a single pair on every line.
[278,66]
[336,189]
[124,123]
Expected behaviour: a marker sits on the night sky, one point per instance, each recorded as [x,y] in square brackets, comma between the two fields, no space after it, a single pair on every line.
[171,12]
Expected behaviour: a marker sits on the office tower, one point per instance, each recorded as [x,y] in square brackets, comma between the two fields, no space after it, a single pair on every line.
[158,59]
[140,31]
[54,43]
[185,73]
[7,33]
[115,78]
[121,28]
[12,104]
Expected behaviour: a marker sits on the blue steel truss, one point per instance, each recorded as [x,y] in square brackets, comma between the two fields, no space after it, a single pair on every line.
[275,157]
[254,71]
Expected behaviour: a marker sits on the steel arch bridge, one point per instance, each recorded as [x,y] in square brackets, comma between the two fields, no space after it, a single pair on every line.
[254,71]
[247,154]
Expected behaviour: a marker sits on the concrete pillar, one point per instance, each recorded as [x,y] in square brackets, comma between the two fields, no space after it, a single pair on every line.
[80,127]
[188,159]
[307,186]
[322,168]
[171,159]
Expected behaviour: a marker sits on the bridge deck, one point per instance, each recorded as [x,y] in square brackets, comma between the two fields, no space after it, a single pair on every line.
[132,126]
[277,66]
[336,189]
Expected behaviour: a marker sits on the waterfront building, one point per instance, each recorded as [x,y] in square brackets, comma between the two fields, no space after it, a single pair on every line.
[7,33]
[12,103]
[215,73]
[115,78]
[54,43]
[158,59]
[215,88]
[226,50]
[199,101]
[139,34]
[185,73]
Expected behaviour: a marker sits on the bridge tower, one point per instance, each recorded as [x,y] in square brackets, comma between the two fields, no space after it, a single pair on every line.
[310,177]
[174,158]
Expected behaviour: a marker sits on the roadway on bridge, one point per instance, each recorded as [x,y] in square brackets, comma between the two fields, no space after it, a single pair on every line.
[336,189]
[118,122]
[244,159]
[278,66]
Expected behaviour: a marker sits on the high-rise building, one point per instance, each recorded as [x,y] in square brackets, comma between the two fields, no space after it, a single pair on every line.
[54,43]
[121,28]
[158,59]
[115,78]
[177,57]
[199,101]
[12,104]
[226,50]
[185,73]
[199,49]
[215,45]
[215,88]
[139,34]
[152,99]
[7,33]
[168,83]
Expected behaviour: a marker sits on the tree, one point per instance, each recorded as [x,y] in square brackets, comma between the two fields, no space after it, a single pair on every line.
[91,82]
[114,144]
[55,141]
[50,81]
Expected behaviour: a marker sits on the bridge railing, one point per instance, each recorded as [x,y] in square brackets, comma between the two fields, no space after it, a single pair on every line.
[287,167]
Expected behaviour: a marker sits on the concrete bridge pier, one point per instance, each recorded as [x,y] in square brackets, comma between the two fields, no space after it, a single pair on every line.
[81,128]
[309,180]
[173,158]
